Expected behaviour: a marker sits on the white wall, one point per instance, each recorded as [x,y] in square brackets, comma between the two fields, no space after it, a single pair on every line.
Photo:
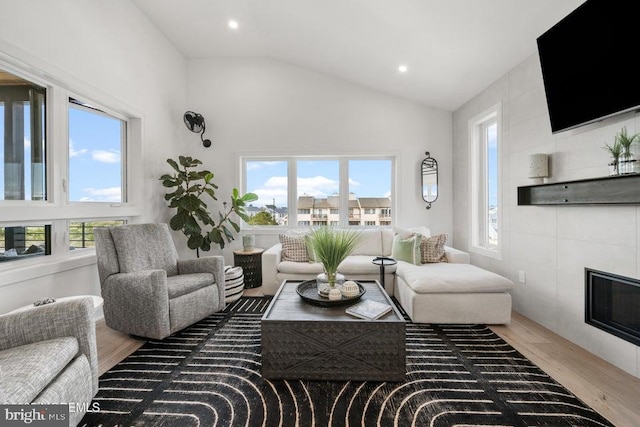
[552,245]
[265,106]
[109,50]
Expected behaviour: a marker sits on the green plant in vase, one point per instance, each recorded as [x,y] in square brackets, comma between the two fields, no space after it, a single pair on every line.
[625,164]
[189,187]
[615,150]
[332,246]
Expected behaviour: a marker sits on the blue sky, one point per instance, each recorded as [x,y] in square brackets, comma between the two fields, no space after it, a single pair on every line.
[94,156]
[318,178]
[95,167]
[492,159]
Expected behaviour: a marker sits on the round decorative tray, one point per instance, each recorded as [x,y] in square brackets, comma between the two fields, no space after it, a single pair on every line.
[308,291]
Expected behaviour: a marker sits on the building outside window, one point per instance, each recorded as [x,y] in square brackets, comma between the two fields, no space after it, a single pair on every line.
[486,197]
[328,190]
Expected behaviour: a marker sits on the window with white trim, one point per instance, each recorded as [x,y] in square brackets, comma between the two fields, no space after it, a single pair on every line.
[97,143]
[40,213]
[486,197]
[22,132]
[328,190]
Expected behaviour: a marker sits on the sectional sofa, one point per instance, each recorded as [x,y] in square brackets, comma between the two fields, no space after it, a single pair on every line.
[451,292]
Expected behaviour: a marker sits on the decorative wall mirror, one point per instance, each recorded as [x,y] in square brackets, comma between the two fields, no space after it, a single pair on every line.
[429,180]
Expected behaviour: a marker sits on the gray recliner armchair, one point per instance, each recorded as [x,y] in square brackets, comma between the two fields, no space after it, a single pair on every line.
[147,291]
[48,355]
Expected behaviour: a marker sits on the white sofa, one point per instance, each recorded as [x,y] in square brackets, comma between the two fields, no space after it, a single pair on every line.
[454,292]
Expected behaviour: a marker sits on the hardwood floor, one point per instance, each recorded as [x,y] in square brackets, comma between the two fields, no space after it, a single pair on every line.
[609,390]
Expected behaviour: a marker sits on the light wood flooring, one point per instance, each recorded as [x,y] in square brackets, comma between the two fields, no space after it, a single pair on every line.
[609,390]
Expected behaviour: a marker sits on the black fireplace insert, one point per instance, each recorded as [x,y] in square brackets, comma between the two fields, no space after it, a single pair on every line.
[613,304]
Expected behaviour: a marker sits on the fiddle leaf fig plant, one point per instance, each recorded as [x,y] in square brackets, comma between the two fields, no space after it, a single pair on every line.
[188,186]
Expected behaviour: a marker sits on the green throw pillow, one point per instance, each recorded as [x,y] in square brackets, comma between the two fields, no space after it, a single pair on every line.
[408,249]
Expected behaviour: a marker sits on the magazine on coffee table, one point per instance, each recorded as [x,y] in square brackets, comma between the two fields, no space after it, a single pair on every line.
[368,309]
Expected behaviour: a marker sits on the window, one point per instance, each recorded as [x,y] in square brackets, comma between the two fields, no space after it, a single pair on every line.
[326,191]
[485,183]
[97,142]
[81,233]
[90,148]
[26,241]
[269,180]
[318,187]
[22,133]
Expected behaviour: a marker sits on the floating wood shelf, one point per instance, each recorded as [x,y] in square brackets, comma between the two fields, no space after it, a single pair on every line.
[610,190]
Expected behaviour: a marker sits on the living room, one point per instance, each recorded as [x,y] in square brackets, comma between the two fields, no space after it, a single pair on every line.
[119,56]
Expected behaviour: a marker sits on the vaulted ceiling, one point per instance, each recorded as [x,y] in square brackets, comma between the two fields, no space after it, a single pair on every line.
[452,49]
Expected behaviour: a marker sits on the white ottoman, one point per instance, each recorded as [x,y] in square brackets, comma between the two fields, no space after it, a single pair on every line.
[233,283]
[453,294]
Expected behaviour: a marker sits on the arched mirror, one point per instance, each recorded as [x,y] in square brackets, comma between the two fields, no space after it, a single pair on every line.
[429,180]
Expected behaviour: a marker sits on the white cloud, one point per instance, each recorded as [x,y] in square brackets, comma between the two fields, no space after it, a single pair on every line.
[104,156]
[111,194]
[251,166]
[353,183]
[317,186]
[73,152]
[274,188]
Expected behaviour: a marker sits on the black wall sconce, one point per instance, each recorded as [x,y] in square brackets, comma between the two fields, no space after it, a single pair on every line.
[195,123]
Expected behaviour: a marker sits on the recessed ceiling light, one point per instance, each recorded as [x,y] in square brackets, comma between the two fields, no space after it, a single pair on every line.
[233,24]
[403,68]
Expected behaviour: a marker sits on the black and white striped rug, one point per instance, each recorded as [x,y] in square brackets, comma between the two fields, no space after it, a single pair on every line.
[209,375]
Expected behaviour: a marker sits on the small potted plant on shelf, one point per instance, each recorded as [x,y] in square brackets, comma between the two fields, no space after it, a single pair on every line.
[330,247]
[615,150]
[626,162]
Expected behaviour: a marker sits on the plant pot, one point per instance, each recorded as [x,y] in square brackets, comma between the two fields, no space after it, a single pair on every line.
[248,242]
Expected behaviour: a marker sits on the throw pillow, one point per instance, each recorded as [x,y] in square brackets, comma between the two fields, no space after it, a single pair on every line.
[432,249]
[407,232]
[294,248]
[408,249]
[311,255]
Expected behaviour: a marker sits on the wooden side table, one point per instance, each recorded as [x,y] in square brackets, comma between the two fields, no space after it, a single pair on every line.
[251,263]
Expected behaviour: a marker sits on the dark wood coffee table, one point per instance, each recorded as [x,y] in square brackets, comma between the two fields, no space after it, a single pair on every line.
[304,341]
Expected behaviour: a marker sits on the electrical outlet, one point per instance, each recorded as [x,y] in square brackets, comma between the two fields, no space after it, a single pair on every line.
[521,277]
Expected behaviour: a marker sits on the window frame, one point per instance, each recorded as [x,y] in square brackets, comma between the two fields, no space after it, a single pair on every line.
[56,210]
[479,178]
[292,195]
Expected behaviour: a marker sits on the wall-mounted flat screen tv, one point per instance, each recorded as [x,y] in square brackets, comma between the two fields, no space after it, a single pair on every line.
[588,63]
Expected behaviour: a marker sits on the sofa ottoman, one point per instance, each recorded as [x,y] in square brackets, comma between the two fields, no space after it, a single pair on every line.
[453,293]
